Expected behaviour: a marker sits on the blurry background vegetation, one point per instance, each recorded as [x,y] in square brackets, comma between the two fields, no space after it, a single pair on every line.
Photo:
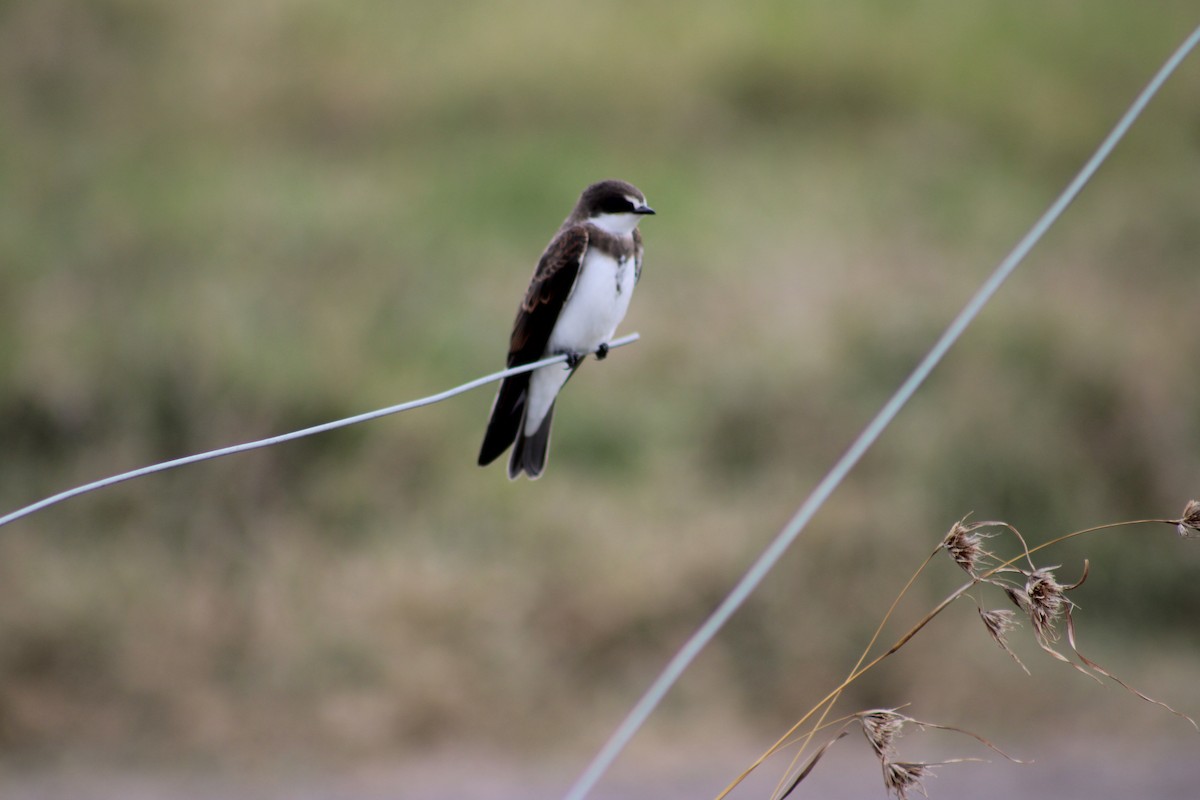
[224,220]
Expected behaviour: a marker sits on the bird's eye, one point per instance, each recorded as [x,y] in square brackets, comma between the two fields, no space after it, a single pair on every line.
[616,205]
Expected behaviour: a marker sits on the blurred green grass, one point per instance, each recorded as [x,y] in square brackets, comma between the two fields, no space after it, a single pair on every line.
[220,221]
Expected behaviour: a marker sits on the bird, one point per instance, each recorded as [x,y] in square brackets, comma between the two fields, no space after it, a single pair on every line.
[578,296]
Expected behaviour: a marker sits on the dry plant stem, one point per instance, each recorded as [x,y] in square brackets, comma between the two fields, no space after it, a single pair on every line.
[825,704]
[808,768]
[1029,551]
[833,696]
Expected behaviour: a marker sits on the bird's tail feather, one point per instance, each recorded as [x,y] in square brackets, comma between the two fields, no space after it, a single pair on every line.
[530,452]
[508,410]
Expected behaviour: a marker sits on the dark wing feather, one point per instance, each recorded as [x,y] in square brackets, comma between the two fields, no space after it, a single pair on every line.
[504,424]
[552,283]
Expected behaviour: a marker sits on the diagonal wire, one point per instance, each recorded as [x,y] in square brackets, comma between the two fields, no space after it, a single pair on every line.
[287,437]
[749,582]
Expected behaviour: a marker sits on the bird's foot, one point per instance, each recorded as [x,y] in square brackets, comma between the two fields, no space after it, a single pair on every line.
[602,352]
[573,359]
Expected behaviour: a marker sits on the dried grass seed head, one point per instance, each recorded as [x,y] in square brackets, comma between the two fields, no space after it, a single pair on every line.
[1018,595]
[901,776]
[882,727]
[999,623]
[1047,601]
[964,543]
[1189,523]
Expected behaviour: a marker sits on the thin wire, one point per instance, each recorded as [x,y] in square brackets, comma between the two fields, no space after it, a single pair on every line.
[287,437]
[750,581]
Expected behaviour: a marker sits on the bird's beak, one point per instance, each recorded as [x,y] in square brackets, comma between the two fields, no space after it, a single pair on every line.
[643,209]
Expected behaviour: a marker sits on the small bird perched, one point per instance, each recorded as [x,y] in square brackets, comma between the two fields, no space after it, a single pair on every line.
[579,294]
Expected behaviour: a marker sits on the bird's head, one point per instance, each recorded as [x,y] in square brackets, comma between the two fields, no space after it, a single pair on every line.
[613,206]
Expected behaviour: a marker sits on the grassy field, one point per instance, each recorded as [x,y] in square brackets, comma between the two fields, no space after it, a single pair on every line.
[221,221]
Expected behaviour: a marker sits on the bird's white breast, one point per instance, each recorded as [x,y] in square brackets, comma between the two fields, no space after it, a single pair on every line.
[597,303]
[589,318]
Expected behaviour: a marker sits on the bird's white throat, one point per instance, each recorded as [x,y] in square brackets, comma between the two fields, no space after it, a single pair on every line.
[617,224]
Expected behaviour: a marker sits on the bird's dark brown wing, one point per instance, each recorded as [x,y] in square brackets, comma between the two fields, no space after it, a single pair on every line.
[552,282]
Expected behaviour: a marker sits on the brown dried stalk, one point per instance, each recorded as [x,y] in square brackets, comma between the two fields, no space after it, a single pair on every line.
[1036,591]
